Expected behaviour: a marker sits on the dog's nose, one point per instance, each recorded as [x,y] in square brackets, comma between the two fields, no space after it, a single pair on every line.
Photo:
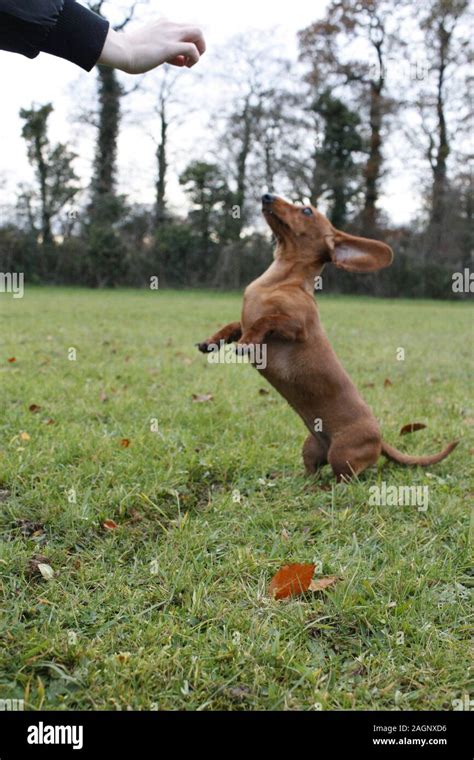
[268,198]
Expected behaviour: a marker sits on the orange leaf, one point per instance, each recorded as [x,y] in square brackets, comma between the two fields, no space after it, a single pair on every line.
[125,443]
[34,408]
[321,583]
[412,428]
[109,525]
[387,383]
[11,360]
[291,580]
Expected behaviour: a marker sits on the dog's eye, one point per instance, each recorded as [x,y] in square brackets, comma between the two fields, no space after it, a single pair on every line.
[307,212]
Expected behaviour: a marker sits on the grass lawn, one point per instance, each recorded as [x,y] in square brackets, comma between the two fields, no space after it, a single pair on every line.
[169,610]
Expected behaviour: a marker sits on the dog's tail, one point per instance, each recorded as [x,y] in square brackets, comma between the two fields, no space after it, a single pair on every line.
[405,459]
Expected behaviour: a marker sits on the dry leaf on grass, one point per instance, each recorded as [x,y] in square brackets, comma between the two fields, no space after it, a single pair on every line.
[319,584]
[297,579]
[34,564]
[412,428]
[46,571]
[11,360]
[202,398]
[25,436]
[34,408]
[49,421]
[125,443]
[387,383]
[109,525]
[291,580]
[28,527]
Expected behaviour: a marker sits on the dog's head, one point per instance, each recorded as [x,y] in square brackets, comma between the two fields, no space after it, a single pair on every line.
[304,234]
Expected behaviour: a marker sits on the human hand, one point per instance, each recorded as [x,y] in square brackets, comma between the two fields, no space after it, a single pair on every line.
[161,41]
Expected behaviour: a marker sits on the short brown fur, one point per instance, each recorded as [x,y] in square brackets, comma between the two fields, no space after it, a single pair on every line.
[279,311]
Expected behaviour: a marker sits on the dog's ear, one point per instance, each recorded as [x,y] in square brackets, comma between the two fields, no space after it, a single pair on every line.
[356,254]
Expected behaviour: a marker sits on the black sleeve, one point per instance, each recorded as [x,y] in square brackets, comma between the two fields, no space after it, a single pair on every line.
[59,27]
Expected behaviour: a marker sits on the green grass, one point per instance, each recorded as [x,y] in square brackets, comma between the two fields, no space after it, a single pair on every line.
[169,611]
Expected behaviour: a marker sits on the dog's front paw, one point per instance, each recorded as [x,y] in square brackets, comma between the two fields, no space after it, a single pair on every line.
[207,347]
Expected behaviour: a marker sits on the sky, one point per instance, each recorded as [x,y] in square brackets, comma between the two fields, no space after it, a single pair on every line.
[71,91]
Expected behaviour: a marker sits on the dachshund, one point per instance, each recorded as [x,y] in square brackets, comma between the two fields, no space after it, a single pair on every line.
[279,311]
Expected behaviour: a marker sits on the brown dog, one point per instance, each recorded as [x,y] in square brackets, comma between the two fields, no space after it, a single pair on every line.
[279,311]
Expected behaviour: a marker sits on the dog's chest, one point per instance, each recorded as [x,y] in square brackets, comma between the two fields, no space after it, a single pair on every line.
[257,303]
[252,308]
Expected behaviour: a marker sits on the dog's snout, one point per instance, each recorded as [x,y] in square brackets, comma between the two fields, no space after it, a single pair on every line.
[268,198]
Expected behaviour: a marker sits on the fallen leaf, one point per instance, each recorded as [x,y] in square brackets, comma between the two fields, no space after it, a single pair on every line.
[35,562]
[263,392]
[239,692]
[203,398]
[11,360]
[46,571]
[291,580]
[319,584]
[49,421]
[125,443]
[387,383]
[29,528]
[412,428]
[25,436]
[109,525]
[34,408]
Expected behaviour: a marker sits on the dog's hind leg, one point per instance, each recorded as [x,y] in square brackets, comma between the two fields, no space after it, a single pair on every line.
[315,454]
[349,457]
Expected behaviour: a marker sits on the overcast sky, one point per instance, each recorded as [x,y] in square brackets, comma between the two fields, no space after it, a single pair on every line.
[50,79]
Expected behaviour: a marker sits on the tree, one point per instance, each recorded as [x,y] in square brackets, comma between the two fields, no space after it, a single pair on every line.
[348,27]
[169,111]
[246,121]
[207,189]
[335,165]
[57,182]
[439,22]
